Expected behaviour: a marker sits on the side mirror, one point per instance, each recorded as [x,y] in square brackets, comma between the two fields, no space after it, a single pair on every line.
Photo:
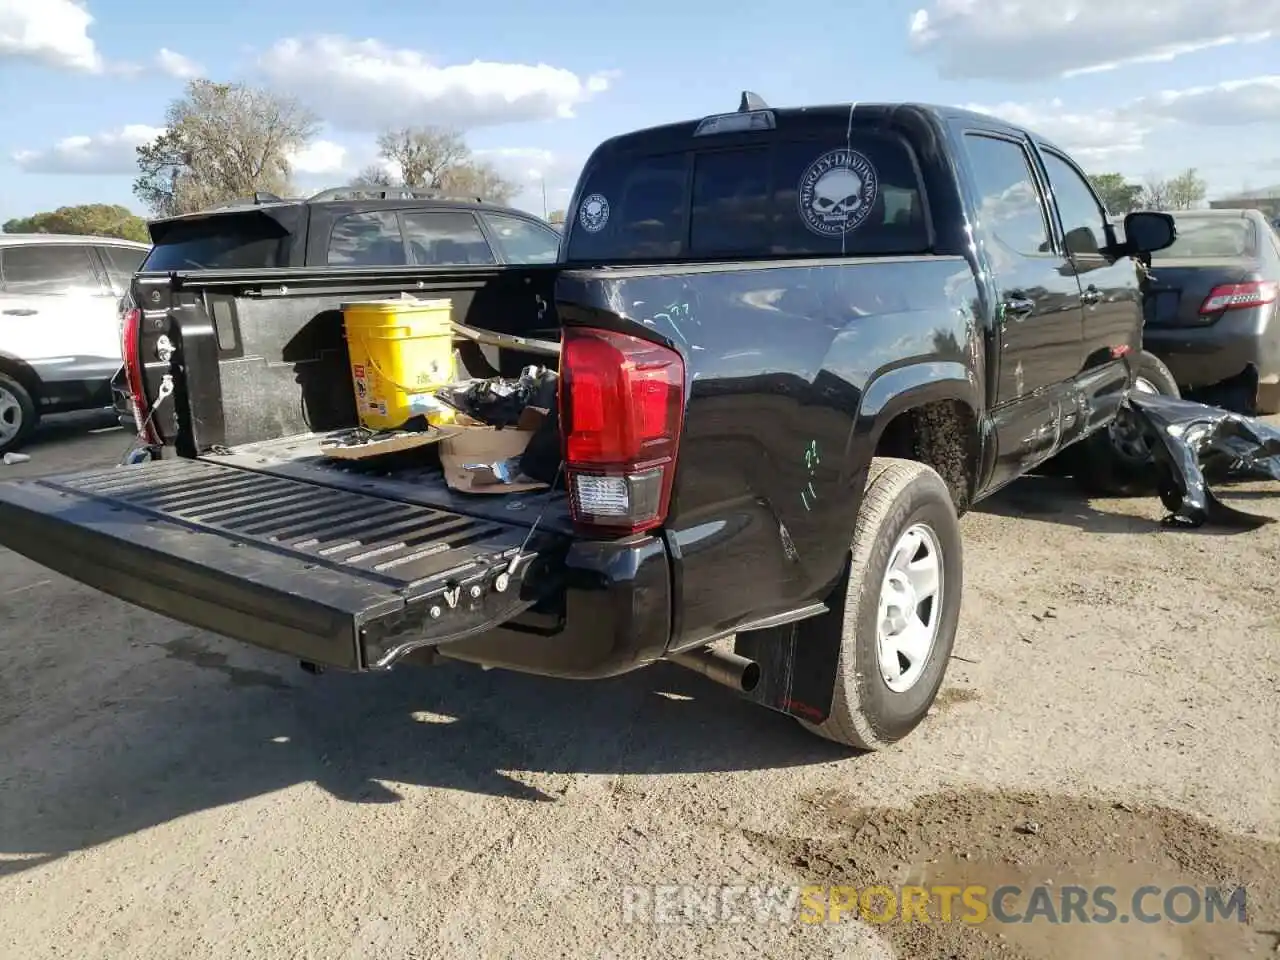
[1147,232]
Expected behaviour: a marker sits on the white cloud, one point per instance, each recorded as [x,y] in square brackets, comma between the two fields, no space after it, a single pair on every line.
[1234,103]
[52,32]
[320,158]
[365,85]
[113,152]
[1087,135]
[532,169]
[176,65]
[1035,40]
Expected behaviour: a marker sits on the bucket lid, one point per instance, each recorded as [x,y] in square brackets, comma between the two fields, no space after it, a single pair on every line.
[402,302]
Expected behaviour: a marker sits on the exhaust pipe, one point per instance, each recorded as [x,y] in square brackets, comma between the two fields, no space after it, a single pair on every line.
[727,669]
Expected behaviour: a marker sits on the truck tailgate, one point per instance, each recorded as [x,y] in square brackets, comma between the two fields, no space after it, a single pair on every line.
[331,576]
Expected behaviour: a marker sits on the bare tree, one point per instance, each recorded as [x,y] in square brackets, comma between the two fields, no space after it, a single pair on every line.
[1155,194]
[374,175]
[555,216]
[1187,190]
[479,180]
[423,154]
[221,141]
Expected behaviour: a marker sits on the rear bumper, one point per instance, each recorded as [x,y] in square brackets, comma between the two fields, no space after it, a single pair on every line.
[1203,356]
[223,550]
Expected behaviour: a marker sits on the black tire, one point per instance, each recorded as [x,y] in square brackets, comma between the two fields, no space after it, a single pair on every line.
[24,412]
[865,712]
[1106,465]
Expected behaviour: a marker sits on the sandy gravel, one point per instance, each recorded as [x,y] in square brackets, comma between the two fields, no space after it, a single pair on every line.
[1111,717]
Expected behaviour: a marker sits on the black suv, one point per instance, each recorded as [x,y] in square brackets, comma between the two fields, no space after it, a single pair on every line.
[351,227]
[345,227]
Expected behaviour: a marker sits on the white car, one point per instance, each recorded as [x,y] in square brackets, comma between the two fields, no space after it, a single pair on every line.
[59,328]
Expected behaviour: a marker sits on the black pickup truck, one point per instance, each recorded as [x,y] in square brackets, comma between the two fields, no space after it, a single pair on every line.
[795,345]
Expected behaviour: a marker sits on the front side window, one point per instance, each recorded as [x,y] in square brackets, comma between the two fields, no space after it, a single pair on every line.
[444,238]
[366,240]
[522,241]
[1083,222]
[48,269]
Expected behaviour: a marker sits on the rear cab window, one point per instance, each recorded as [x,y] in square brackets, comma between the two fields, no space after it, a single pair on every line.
[1211,237]
[855,192]
[225,241]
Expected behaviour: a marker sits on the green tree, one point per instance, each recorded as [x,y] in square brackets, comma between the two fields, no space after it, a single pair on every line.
[222,141]
[1117,194]
[89,219]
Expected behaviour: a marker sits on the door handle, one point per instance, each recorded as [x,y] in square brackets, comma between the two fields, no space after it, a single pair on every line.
[1091,296]
[1017,308]
[20,313]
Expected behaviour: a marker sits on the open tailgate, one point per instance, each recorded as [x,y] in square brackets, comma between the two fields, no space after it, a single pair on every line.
[330,576]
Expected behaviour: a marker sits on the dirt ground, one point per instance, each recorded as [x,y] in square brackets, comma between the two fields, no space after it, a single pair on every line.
[1110,718]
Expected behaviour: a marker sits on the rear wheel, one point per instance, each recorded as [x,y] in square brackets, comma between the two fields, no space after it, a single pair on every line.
[18,414]
[901,606]
[1118,461]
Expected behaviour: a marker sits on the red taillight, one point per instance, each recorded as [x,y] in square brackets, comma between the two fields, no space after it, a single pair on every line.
[1237,296]
[621,410]
[130,351]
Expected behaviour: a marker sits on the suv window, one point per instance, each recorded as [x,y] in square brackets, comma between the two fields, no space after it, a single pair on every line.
[522,241]
[446,238]
[122,263]
[367,240]
[1083,222]
[858,196]
[42,269]
[245,241]
[1009,203]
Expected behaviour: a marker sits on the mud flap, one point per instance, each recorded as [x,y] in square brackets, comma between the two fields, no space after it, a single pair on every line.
[798,662]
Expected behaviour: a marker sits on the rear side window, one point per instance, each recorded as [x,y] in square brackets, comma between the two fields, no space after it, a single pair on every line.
[122,263]
[48,269]
[522,241]
[1009,209]
[446,238]
[780,198]
[226,242]
[366,240]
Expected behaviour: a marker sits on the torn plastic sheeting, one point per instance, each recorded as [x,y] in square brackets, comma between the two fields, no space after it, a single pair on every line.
[1199,443]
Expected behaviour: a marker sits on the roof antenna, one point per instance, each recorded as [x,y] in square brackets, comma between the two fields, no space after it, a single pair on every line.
[751,101]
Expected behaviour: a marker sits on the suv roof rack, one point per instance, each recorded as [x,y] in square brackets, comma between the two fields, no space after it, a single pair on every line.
[357,191]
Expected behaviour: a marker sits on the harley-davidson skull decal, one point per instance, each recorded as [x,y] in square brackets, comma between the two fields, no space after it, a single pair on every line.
[837,192]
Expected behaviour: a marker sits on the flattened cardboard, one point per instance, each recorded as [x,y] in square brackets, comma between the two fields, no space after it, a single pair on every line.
[472,445]
[381,447]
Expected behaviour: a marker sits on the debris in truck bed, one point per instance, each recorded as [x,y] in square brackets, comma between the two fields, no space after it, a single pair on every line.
[360,443]
[1199,443]
[499,401]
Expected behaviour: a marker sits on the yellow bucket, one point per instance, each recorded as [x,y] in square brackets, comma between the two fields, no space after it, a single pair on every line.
[401,353]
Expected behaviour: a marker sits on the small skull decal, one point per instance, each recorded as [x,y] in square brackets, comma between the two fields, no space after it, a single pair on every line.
[837,192]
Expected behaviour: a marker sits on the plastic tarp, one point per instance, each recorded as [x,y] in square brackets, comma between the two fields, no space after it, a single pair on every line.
[1193,445]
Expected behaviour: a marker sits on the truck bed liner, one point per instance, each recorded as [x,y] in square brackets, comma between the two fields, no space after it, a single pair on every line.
[328,575]
[409,481]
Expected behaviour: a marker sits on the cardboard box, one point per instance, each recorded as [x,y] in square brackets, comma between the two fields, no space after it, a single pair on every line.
[463,453]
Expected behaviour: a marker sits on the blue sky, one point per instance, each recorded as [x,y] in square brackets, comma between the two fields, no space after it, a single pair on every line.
[1126,87]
